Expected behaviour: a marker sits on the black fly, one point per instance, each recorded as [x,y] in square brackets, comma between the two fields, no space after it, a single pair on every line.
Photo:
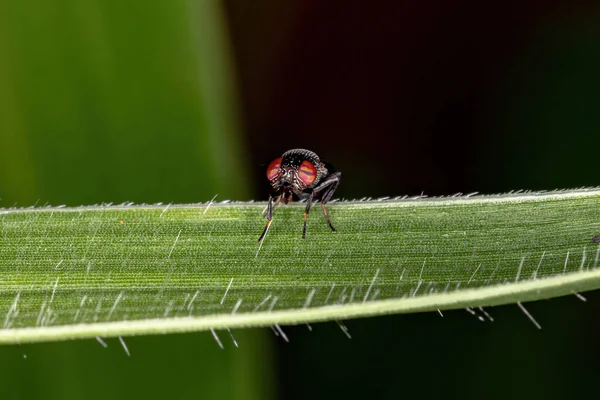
[300,173]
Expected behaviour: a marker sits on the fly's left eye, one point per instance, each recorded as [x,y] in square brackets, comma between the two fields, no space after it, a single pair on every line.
[273,168]
[307,172]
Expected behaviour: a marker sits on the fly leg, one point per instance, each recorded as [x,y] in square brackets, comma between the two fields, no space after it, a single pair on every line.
[308,204]
[328,187]
[269,218]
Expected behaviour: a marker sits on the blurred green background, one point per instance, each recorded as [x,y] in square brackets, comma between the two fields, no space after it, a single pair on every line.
[104,101]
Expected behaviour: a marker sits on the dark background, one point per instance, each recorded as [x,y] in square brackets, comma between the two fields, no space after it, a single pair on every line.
[435,98]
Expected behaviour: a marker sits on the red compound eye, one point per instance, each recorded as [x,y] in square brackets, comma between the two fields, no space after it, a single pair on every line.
[273,168]
[307,172]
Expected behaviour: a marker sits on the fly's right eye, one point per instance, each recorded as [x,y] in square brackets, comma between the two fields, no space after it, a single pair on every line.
[273,168]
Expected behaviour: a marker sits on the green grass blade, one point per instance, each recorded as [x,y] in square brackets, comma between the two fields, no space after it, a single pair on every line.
[127,270]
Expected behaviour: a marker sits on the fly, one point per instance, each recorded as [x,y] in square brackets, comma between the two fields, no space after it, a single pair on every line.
[300,173]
